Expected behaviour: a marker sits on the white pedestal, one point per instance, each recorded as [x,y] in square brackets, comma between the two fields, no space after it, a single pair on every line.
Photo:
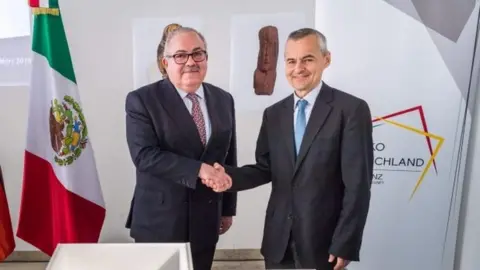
[145,256]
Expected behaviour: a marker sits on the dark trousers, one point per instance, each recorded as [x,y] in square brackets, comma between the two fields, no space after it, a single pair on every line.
[291,260]
[203,258]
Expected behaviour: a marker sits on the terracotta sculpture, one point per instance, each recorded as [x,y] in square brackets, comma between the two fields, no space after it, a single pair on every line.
[266,71]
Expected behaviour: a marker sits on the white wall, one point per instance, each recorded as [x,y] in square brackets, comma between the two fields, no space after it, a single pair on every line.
[100,38]
[468,241]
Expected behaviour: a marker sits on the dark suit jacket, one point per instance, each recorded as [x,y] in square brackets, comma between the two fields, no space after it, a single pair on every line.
[170,204]
[322,196]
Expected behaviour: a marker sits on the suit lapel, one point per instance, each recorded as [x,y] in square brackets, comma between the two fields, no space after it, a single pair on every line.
[286,122]
[176,109]
[321,110]
[213,105]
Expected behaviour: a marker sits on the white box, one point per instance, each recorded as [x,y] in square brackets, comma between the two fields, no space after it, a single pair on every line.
[145,256]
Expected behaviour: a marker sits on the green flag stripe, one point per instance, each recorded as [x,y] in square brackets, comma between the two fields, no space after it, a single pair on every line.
[49,40]
[53,3]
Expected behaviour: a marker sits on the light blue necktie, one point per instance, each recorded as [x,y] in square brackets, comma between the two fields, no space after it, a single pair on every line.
[300,124]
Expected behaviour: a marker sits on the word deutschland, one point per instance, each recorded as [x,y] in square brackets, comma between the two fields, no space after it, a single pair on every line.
[381,161]
[399,162]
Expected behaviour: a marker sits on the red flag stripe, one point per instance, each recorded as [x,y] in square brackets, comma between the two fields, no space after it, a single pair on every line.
[34,3]
[50,214]
[7,241]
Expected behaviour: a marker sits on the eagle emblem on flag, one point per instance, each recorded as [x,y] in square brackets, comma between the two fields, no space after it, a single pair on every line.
[68,132]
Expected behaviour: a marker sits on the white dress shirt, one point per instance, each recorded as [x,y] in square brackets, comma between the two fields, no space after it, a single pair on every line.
[310,98]
[203,106]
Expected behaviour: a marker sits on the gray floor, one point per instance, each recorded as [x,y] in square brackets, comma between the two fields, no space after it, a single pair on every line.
[228,265]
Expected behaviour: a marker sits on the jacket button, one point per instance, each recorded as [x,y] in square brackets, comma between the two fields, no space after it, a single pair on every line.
[290,216]
[210,201]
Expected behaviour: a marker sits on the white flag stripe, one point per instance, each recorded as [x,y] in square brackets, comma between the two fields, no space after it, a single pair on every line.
[80,177]
[44,3]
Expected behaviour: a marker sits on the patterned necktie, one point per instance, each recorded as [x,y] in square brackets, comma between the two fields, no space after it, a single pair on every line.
[198,117]
[301,124]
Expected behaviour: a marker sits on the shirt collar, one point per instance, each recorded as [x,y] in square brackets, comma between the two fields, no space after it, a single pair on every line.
[200,92]
[310,97]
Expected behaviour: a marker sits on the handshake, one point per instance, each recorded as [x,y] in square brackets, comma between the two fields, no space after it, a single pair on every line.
[215,177]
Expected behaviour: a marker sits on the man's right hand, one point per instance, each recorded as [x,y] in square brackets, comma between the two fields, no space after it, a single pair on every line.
[215,178]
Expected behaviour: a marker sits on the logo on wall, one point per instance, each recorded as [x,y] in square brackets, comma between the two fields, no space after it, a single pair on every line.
[408,151]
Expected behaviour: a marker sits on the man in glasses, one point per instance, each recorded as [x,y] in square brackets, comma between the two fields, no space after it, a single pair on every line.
[176,129]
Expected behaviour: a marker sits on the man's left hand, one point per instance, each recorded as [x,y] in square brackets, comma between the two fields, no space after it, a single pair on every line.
[341,263]
[225,224]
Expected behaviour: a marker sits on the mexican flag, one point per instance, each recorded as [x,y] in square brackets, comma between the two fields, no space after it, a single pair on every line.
[62,200]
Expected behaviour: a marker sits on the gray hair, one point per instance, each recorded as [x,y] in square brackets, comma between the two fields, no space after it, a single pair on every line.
[180,30]
[304,32]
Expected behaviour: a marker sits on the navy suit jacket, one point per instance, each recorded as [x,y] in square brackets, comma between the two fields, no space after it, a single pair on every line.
[170,204]
[321,197]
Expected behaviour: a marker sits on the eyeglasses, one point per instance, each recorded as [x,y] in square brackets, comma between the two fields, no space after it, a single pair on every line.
[182,58]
